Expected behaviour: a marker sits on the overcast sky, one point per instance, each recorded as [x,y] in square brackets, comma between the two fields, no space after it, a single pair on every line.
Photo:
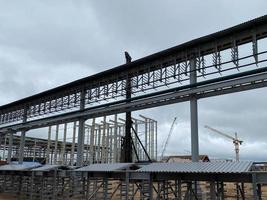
[44,44]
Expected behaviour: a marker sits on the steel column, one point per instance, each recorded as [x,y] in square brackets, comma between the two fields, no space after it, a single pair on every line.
[127,154]
[194,114]
[10,147]
[22,138]
[81,132]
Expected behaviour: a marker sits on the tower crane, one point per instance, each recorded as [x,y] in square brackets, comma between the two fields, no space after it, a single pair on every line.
[235,140]
[168,138]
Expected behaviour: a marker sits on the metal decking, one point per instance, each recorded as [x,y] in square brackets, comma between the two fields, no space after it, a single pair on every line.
[198,167]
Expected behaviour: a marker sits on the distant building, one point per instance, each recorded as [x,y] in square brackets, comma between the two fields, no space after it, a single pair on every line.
[184,158]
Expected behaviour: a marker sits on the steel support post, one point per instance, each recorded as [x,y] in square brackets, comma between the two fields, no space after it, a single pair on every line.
[56,144]
[22,138]
[92,139]
[254,187]
[105,188]
[10,146]
[194,114]
[104,137]
[127,185]
[80,146]
[81,132]
[48,145]
[63,148]
[73,143]
[116,138]
[156,133]
[127,149]
[21,146]
[212,191]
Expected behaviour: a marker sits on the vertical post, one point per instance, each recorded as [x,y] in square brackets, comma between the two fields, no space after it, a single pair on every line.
[22,138]
[56,143]
[10,146]
[108,143]
[156,133]
[254,186]
[87,144]
[63,149]
[135,138]
[81,132]
[127,142]
[73,143]
[98,144]
[48,145]
[212,191]
[194,114]
[4,148]
[146,129]
[104,141]
[115,138]
[92,145]
[152,140]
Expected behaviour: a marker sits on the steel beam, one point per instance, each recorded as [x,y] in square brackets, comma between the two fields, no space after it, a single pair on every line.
[219,86]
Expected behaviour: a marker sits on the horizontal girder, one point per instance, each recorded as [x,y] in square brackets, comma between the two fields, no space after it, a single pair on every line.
[223,85]
[217,55]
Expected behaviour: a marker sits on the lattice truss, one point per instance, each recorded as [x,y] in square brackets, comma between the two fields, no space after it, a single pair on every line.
[215,59]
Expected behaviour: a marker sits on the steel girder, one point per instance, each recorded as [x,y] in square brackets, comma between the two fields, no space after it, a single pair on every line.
[160,71]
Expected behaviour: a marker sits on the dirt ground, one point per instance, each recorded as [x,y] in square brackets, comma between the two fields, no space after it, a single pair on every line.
[7,197]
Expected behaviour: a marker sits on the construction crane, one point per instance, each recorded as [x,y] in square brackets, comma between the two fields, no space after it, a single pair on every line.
[168,138]
[235,140]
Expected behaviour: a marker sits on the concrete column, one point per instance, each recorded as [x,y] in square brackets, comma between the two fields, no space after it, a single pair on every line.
[194,114]
[10,147]
[81,132]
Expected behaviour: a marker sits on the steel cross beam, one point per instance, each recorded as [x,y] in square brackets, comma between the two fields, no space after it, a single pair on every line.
[233,83]
[164,70]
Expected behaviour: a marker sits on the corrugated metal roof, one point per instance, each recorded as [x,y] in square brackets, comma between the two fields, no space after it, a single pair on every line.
[198,167]
[47,168]
[14,166]
[105,167]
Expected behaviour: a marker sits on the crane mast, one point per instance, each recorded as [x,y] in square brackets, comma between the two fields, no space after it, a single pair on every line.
[235,140]
[168,138]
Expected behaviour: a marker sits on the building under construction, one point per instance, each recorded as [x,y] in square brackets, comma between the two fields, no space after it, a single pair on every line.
[93,146]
